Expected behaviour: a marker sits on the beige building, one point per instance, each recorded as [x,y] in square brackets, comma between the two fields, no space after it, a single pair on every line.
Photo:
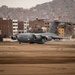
[61,31]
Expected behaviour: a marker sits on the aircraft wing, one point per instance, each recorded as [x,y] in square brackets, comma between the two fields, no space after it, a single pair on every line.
[49,36]
[57,37]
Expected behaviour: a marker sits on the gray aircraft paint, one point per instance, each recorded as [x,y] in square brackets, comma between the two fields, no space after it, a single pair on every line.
[40,37]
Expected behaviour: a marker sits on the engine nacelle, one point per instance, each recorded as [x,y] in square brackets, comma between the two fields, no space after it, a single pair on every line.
[38,37]
[48,38]
[13,37]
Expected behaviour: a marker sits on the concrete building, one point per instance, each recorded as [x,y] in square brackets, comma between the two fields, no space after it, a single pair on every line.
[15,27]
[26,26]
[20,26]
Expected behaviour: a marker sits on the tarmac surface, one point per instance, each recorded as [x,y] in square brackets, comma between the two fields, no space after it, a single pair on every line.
[51,58]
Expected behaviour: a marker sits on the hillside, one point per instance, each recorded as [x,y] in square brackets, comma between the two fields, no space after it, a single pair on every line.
[65,9]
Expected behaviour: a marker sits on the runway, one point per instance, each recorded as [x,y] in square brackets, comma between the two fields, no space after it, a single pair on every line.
[52,58]
[37,69]
[12,46]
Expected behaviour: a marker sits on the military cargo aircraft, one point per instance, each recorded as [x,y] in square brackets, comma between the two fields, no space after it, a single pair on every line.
[40,38]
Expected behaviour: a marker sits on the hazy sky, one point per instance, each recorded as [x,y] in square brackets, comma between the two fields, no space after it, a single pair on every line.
[22,3]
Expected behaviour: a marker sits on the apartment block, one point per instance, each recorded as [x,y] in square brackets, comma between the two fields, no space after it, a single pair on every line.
[39,25]
[26,26]
[10,27]
[20,27]
[5,27]
[15,27]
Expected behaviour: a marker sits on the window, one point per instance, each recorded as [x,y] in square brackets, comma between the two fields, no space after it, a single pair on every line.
[15,24]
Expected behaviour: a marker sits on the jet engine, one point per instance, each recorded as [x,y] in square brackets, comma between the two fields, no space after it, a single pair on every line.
[37,37]
[45,38]
[48,38]
[13,37]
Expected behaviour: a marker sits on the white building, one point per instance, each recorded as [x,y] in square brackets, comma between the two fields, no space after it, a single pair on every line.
[26,26]
[15,27]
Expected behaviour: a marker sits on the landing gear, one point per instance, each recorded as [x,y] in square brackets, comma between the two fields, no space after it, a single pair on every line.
[42,41]
[19,42]
[32,43]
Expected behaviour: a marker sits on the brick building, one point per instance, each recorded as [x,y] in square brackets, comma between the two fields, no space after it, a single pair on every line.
[10,27]
[20,27]
[5,27]
[0,25]
[38,25]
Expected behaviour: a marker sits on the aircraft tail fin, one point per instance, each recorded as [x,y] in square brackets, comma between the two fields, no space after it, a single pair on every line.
[53,28]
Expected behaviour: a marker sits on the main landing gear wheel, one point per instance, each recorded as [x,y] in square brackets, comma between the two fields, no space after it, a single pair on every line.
[19,42]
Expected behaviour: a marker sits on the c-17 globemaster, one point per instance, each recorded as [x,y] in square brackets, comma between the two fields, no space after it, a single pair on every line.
[40,38]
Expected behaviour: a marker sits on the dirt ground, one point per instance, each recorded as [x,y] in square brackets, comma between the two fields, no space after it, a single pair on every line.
[47,46]
[51,58]
[37,69]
